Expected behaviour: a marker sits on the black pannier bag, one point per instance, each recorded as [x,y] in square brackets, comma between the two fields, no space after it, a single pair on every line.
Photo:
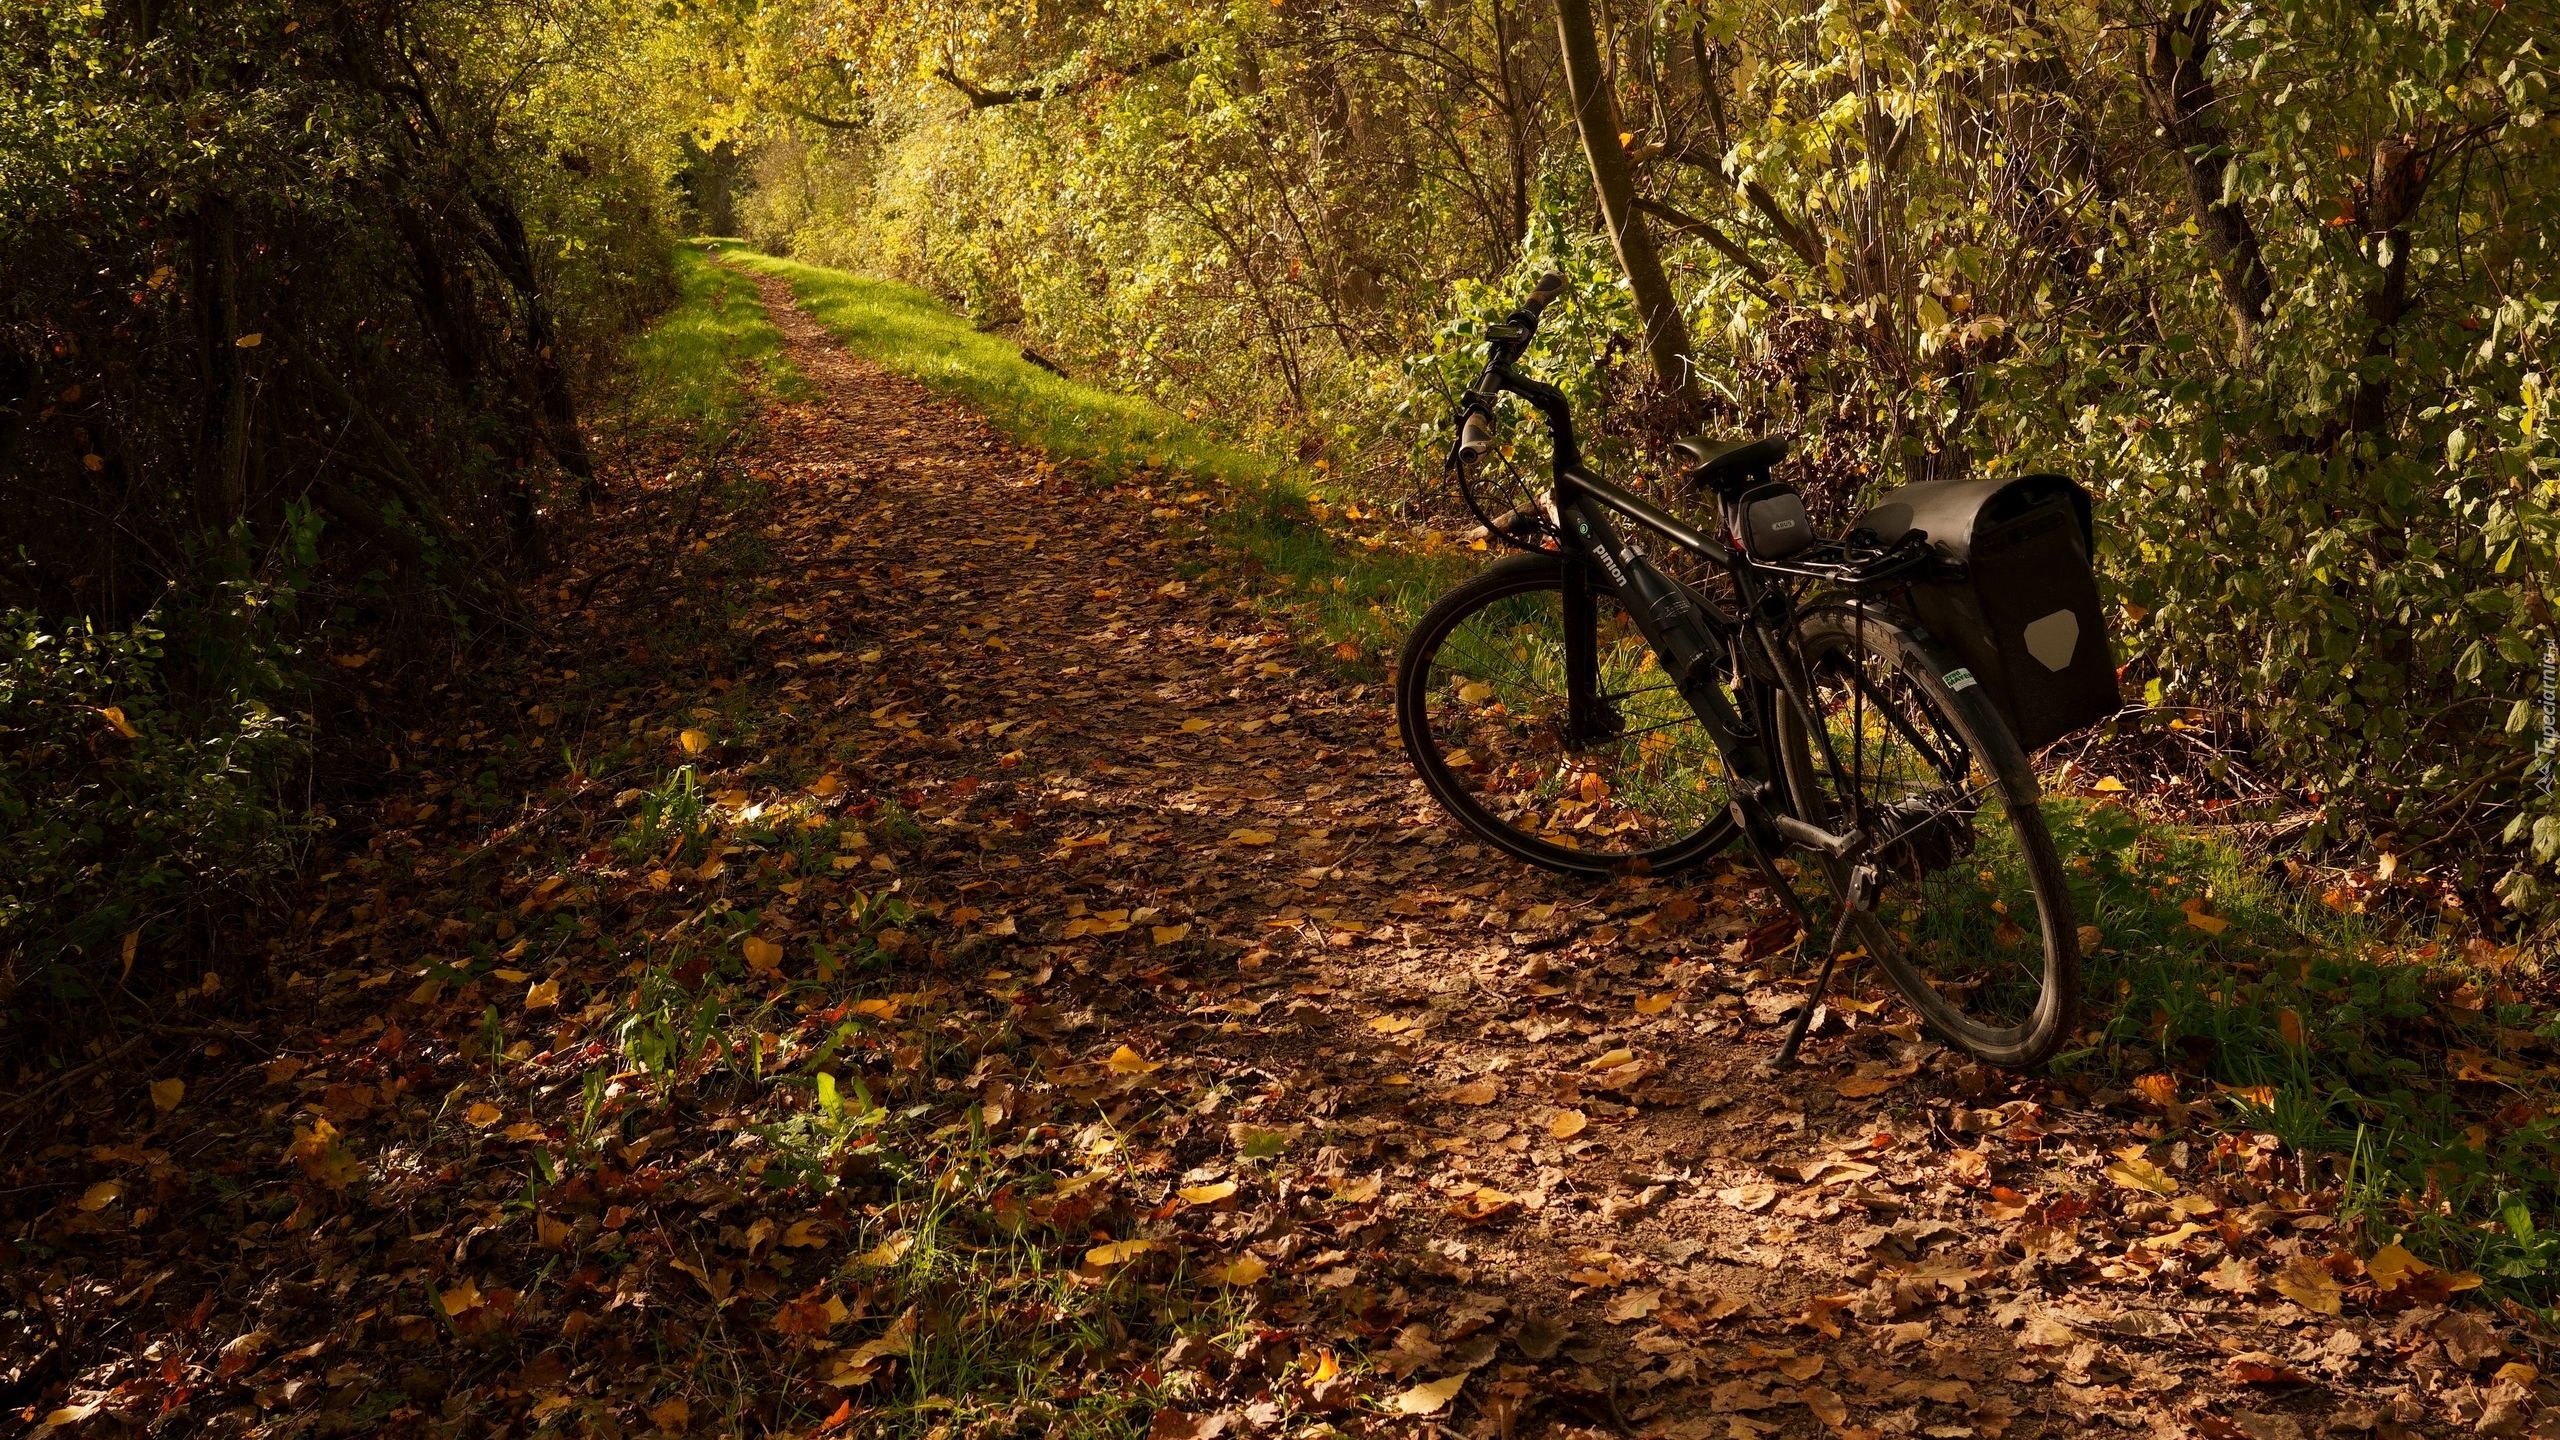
[2013,597]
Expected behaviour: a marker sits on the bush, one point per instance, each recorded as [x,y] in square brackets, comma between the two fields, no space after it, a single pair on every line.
[135,827]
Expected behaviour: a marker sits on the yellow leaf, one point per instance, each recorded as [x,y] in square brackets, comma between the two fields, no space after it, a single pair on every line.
[1432,1398]
[551,1233]
[1567,1124]
[1194,725]
[1117,1251]
[250,341]
[1125,1061]
[1474,1092]
[2109,786]
[101,1195]
[512,977]
[694,742]
[2209,924]
[465,1296]
[165,1094]
[1245,1271]
[762,954]
[2392,1264]
[482,1115]
[1250,837]
[825,785]
[1324,1368]
[1209,1194]
[1392,1024]
[1610,1061]
[542,995]
[887,1252]
[672,1416]
[2308,1283]
[114,716]
[2289,1026]
[1168,934]
[2134,1171]
[1653,1004]
[1475,692]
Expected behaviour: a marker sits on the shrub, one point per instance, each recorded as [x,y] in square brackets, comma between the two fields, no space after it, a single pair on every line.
[135,826]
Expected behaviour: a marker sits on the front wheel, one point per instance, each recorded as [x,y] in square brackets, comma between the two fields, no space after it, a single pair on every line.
[1538,716]
[1974,923]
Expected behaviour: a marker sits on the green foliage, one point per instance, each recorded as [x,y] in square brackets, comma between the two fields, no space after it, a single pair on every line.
[130,819]
[2277,283]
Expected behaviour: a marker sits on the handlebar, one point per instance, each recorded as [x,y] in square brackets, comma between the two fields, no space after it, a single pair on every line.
[1510,339]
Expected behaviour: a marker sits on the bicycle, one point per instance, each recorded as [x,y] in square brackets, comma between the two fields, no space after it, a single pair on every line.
[1582,709]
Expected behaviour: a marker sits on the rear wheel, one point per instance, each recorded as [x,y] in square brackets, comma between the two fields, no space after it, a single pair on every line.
[1974,923]
[1540,719]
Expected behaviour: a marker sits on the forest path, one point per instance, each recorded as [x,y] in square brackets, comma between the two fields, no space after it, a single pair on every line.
[1525,1132]
[900,952]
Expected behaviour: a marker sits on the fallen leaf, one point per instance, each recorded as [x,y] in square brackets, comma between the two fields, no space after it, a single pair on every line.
[463,1297]
[1749,1196]
[1567,1124]
[1632,1306]
[1431,1398]
[1474,1092]
[1209,1194]
[1168,934]
[1118,1252]
[1484,1206]
[1826,1405]
[165,1094]
[2392,1265]
[1610,1060]
[2134,1171]
[482,1115]
[1653,1004]
[1125,1061]
[1250,837]
[542,995]
[2109,786]
[694,742]
[1244,1271]
[762,954]
[101,1195]
[2308,1283]
[887,1252]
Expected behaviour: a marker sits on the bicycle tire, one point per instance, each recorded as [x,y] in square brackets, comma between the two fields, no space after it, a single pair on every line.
[1949,948]
[1431,711]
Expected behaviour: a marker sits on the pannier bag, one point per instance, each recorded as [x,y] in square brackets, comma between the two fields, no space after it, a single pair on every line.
[2014,597]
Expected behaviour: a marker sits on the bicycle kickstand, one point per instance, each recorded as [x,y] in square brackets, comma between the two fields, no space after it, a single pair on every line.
[1859,898]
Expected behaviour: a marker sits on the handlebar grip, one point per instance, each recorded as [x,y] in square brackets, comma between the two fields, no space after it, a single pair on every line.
[1550,285]
[1476,436]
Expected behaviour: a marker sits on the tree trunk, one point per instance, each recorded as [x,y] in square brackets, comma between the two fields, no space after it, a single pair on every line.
[1595,115]
[2178,89]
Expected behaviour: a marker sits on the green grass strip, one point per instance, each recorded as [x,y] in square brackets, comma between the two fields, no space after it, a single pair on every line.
[707,362]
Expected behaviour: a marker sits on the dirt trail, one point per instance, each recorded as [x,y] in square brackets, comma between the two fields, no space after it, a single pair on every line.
[1545,1092]
[1182,921]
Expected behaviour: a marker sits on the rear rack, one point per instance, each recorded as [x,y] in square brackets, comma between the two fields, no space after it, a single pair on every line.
[1862,566]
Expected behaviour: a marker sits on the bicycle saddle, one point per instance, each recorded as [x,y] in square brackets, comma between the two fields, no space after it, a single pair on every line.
[1719,463]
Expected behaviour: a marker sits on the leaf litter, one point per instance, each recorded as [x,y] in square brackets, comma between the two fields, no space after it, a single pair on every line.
[841,986]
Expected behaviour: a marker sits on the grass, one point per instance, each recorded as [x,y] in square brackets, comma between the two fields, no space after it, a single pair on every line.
[702,368]
[2233,1002]
[1343,575]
